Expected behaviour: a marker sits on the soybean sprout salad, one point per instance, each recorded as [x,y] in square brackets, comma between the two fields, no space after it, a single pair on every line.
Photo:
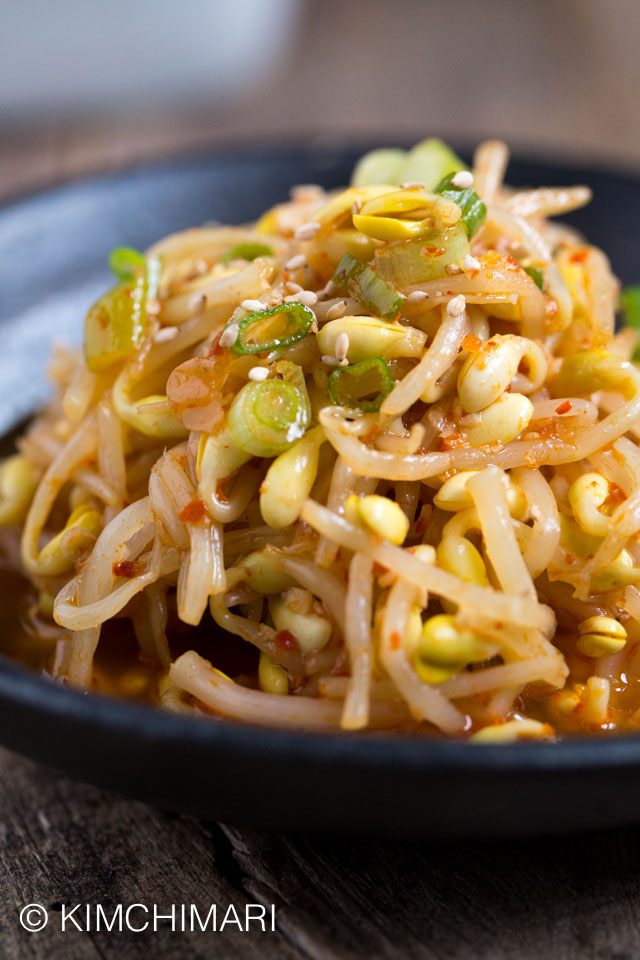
[370,462]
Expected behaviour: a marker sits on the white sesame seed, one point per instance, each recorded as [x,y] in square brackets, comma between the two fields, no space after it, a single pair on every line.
[337,310]
[165,334]
[307,297]
[470,263]
[417,296]
[153,306]
[296,262]
[342,345]
[229,336]
[456,306]
[252,305]
[293,287]
[412,185]
[307,231]
[330,361]
[452,269]
[462,179]
[197,303]
[258,373]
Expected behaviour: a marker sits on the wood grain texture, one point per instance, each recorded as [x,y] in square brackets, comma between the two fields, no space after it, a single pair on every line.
[569,899]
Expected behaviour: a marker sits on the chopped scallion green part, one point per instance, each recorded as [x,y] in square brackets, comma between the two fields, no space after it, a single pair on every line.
[127,262]
[264,330]
[631,306]
[246,251]
[266,418]
[429,161]
[115,324]
[473,209]
[536,275]
[364,284]
[362,386]
[631,310]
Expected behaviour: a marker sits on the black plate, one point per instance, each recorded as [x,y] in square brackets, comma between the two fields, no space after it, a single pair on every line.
[52,261]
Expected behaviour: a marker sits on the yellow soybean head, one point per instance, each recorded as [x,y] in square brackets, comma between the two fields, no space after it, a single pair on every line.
[486,374]
[271,677]
[338,209]
[370,337]
[263,575]
[601,637]
[311,630]
[586,495]
[18,483]
[621,572]
[406,215]
[513,730]
[453,495]
[583,373]
[379,515]
[458,555]
[289,480]
[52,562]
[443,644]
[151,415]
[502,421]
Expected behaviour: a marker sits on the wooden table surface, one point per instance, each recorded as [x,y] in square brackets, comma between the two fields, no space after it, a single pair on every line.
[574,898]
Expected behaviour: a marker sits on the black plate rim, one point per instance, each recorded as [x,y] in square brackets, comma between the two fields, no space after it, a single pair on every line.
[29,691]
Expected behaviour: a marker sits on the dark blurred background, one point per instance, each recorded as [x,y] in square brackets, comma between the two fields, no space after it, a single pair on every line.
[90,85]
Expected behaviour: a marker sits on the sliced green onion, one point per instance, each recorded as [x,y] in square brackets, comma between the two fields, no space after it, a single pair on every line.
[115,324]
[416,261]
[429,161]
[379,166]
[631,306]
[473,209]
[631,310]
[127,262]
[246,251]
[364,284]
[264,330]
[362,386]
[266,418]
[536,275]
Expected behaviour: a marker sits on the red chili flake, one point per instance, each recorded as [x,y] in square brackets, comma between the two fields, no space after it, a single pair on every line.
[579,256]
[103,319]
[215,349]
[569,558]
[286,640]
[550,307]
[433,251]
[471,344]
[394,640]
[126,568]
[194,512]
[564,407]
